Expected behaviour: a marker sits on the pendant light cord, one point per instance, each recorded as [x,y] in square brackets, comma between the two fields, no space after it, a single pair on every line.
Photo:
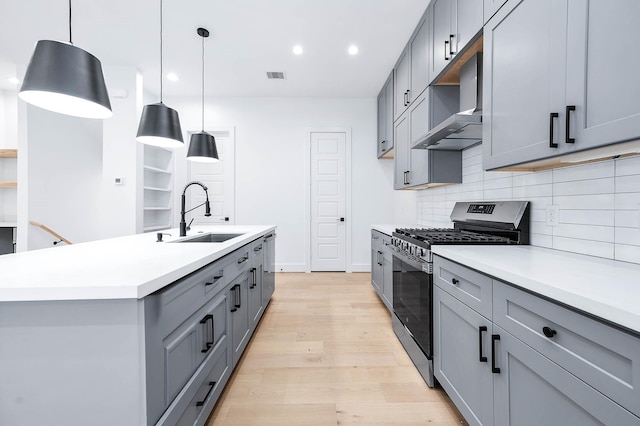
[203,84]
[70,40]
[161,10]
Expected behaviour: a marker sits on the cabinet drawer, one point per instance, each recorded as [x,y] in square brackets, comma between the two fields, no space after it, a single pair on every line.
[470,287]
[602,356]
[256,251]
[194,403]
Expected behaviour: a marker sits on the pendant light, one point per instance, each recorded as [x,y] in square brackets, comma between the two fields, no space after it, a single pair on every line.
[202,146]
[159,124]
[63,78]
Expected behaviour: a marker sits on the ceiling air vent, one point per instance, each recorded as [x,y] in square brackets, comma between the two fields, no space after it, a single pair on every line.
[275,75]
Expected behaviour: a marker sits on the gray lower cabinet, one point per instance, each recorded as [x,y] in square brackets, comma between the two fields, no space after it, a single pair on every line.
[507,357]
[576,79]
[382,267]
[240,324]
[269,268]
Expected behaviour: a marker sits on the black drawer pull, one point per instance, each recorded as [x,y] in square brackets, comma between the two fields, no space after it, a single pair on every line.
[211,386]
[451,52]
[208,344]
[216,278]
[569,139]
[446,48]
[549,332]
[243,259]
[494,369]
[237,302]
[254,280]
[258,248]
[481,329]
[455,281]
[552,117]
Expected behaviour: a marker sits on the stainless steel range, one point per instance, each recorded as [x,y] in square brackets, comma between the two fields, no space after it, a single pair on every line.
[500,222]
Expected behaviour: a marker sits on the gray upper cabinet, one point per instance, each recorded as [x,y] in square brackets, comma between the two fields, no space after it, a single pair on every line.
[519,109]
[575,87]
[412,69]
[385,119]
[421,167]
[455,24]
[602,67]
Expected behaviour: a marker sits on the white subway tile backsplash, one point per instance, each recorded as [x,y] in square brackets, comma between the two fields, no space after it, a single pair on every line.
[599,203]
[591,248]
[602,169]
[582,187]
[626,253]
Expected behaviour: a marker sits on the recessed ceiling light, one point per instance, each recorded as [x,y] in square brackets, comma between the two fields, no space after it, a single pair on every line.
[13,80]
[353,49]
[172,76]
[297,49]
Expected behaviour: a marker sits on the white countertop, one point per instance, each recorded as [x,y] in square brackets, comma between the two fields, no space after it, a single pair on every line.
[389,229]
[129,267]
[605,288]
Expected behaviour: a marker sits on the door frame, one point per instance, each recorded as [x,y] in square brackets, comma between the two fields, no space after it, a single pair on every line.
[347,194]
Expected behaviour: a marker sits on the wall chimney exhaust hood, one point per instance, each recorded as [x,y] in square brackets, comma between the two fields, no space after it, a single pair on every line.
[462,129]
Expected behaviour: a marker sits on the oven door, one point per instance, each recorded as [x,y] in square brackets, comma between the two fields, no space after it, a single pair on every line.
[413,299]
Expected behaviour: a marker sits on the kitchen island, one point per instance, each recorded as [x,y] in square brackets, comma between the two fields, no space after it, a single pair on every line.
[129,331]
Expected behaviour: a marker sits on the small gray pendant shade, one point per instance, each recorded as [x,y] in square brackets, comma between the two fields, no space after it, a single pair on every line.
[63,78]
[202,146]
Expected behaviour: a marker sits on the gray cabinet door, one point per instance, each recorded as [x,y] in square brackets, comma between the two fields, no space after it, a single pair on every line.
[602,67]
[532,390]
[525,56]
[376,269]
[269,265]
[441,51]
[467,22]
[238,305]
[387,280]
[462,358]
[401,155]
[385,117]
[255,294]
[382,122]
[402,80]
[420,59]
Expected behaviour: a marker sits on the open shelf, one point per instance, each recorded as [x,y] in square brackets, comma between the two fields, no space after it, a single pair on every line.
[8,153]
[8,184]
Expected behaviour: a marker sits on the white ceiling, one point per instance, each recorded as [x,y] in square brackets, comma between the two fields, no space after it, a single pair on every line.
[248,38]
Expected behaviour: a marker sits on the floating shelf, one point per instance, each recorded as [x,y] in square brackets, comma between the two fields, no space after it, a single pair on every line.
[8,153]
[151,188]
[157,170]
[9,184]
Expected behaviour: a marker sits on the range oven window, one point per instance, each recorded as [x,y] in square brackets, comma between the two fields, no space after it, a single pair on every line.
[412,301]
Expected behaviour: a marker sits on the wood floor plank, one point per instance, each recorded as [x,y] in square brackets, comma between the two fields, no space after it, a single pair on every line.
[325,354]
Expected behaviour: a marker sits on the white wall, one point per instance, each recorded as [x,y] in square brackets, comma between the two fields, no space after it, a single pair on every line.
[271,134]
[599,203]
[64,177]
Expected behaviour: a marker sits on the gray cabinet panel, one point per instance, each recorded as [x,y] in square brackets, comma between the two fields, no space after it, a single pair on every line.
[387,280]
[472,288]
[601,72]
[269,265]
[402,151]
[402,80]
[441,51]
[457,340]
[524,68]
[382,267]
[491,7]
[255,294]
[467,21]
[605,358]
[420,59]
[385,118]
[532,390]
[238,294]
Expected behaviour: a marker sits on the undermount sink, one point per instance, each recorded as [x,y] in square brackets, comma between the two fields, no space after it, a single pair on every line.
[209,238]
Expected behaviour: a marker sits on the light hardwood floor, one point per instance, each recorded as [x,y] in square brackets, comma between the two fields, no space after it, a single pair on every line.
[325,354]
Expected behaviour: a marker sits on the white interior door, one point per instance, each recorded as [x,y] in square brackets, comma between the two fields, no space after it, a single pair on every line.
[328,201]
[218,177]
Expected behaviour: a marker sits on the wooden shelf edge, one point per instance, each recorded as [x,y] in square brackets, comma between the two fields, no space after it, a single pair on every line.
[8,184]
[8,153]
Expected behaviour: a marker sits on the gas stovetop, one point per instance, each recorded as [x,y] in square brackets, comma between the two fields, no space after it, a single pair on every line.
[430,236]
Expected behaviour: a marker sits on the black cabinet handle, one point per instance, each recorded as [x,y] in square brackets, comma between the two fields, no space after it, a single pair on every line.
[253,278]
[237,301]
[494,338]
[552,117]
[211,386]
[406,177]
[446,49]
[383,142]
[257,248]
[451,52]
[481,330]
[216,278]
[570,108]
[208,344]
[408,96]
[454,281]
[243,259]
[549,332]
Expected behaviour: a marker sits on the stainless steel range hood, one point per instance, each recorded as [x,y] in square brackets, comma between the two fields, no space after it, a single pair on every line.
[462,129]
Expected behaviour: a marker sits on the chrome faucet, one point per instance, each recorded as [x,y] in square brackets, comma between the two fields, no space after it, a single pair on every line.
[207,207]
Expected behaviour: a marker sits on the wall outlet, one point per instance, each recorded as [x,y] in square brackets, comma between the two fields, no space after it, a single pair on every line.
[551,218]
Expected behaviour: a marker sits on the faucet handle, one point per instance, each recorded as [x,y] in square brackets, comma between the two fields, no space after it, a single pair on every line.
[189,225]
[159,235]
